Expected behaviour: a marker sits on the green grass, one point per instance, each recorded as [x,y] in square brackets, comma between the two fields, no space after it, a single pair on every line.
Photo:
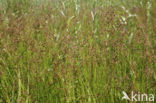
[76,51]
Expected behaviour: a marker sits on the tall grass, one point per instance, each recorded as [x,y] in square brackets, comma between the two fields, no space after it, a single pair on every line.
[76,51]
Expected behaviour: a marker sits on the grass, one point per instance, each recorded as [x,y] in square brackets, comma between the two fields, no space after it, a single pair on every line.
[75,51]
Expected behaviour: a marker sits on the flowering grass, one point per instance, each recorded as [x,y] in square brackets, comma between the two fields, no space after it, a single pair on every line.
[76,51]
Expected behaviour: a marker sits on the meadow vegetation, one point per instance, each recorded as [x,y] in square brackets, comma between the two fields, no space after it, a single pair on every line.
[76,51]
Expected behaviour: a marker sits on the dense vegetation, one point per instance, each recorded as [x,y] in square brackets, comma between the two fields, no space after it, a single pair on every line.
[76,51]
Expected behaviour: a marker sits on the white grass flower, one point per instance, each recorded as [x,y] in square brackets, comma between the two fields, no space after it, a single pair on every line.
[130,38]
[123,20]
[62,13]
[93,14]
[46,21]
[127,11]
[107,36]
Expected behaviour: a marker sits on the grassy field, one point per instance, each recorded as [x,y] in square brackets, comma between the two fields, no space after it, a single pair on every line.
[76,51]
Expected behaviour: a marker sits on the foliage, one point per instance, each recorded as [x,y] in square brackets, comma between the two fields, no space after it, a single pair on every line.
[76,51]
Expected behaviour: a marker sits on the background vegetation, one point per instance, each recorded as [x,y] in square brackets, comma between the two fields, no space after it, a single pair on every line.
[76,51]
